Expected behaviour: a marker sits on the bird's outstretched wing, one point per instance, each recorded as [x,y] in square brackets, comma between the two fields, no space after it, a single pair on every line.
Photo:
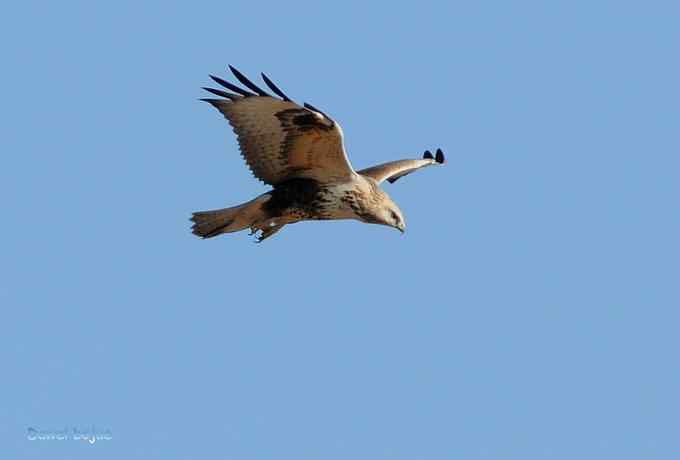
[395,169]
[280,139]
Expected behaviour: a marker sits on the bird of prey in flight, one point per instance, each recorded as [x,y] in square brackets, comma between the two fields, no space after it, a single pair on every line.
[299,151]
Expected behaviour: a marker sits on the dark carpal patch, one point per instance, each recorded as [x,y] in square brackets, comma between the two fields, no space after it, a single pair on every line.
[301,120]
[297,122]
[304,198]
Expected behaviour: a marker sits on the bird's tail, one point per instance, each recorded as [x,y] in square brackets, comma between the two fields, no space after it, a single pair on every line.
[212,223]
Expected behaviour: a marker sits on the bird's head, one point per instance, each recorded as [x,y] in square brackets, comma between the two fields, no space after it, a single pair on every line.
[386,213]
[392,217]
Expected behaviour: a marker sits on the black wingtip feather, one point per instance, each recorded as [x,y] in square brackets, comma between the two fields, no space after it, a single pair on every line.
[428,155]
[252,86]
[219,92]
[311,107]
[275,88]
[231,86]
[439,158]
[217,103]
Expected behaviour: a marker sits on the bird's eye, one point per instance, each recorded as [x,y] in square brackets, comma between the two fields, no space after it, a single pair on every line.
[395,217]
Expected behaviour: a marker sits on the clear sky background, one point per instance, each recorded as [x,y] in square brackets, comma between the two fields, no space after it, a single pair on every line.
[529,312]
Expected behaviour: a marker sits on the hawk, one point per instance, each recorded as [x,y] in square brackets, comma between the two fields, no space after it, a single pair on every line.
[299,151]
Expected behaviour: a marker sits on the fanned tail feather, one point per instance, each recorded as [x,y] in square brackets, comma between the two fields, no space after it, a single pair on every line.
[208,224]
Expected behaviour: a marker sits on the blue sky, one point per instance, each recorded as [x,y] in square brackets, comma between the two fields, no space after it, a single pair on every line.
[530,310]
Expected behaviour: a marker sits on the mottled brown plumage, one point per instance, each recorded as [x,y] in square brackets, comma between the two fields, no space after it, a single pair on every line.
[298,150]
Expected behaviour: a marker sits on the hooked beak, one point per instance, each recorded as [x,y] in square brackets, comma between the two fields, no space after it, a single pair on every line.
[401,228]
